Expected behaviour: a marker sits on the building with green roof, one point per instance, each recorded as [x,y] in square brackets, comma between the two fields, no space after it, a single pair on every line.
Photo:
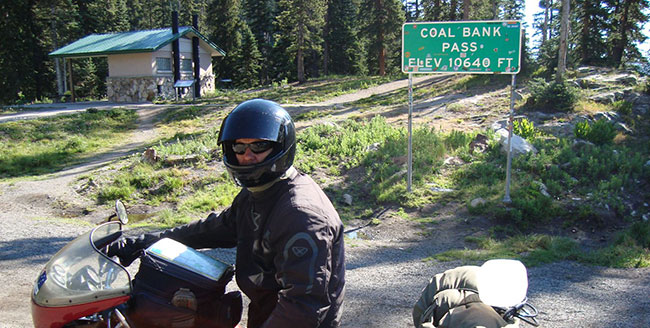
[141,63]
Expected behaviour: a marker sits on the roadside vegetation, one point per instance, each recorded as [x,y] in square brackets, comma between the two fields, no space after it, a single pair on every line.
[593,179]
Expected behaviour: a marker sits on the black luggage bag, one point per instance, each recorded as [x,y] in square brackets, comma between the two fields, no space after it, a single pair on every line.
[178,287]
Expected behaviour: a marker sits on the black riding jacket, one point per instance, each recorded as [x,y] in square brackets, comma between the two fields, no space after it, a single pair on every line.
[290,252]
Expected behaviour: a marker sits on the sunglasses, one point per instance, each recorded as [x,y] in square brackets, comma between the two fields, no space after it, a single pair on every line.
[256,147]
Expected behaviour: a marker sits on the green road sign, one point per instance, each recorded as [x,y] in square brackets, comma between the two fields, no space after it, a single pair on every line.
[474,47]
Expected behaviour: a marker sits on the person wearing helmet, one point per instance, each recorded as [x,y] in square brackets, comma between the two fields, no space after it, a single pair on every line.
[289,237]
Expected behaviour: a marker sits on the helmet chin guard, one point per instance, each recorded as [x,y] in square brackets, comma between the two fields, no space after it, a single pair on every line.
[258,119]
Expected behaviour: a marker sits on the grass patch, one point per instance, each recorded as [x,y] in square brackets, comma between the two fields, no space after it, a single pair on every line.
[532,250]
[630,250]
[46,145]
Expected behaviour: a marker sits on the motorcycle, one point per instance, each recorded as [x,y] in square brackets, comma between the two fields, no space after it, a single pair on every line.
[175,286]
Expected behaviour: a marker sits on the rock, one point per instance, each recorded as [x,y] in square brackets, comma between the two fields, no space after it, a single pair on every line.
[399,160]
[347,199]
[542,188]
[500,124]
[453,160]
[519,145]
[604,98]
[479,144]
[588,83]
[645,217]
[627,79]
[477,202]
[647,164]
[150,156]
[373,147]
[622,127]
[439,189]
[558,129]
[580,144]
[607,116]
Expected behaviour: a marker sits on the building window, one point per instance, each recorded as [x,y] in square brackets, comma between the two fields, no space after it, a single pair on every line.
[186,65]
[164,64]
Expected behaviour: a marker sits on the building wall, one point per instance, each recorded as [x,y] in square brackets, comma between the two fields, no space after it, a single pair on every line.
[136,78]
[131,65]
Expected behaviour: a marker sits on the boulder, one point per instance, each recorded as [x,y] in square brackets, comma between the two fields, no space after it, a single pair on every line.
[477,202]
[479,144]
[347,199]
[558,129]
[519,145]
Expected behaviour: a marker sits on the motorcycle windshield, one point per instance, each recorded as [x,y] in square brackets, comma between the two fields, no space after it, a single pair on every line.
[79,273]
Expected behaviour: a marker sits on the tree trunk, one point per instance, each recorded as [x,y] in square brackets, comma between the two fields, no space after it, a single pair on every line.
[436,10]
[547,10]
[586,26]
[57,64]
[300,55]
[453,6]
[326,45]
[621,42]
[466,5]
[564,32]
[380,38]
[495,9]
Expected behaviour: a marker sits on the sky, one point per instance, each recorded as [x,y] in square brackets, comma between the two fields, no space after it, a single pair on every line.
[532,7]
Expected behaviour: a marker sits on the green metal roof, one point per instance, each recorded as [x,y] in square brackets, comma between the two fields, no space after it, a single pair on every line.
[96,45]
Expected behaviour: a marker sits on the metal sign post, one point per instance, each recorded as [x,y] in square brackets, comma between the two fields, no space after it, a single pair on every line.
[470,47]
[506,198]
[410,147]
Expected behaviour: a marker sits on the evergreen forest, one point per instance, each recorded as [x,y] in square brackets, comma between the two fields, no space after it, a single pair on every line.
[270,41]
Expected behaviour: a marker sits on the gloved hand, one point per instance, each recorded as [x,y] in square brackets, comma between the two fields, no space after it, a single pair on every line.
[127,249]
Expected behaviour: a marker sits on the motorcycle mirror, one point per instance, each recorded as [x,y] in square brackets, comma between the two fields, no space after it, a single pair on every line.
[120,210]
[502,283]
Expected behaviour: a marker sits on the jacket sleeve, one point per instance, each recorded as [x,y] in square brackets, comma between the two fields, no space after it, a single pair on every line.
[215,231]
[303,253]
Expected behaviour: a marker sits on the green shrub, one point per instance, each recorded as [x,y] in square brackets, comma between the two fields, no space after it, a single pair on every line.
[529,207]
[457,139]
[600,133]
[640,232]
[524,128]
[554,96]
[115,192]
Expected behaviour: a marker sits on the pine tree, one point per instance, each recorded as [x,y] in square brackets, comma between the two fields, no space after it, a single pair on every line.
[230,32]
[627,20]
[260,17]
[344,49]
[248,65]
[384,19]
[224,23]
[300,22]
[591,24]
[512,9]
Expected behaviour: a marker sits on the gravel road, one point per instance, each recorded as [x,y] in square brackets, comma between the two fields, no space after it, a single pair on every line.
[384,279]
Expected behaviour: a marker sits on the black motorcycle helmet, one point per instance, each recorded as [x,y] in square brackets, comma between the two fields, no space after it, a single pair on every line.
[258,119]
